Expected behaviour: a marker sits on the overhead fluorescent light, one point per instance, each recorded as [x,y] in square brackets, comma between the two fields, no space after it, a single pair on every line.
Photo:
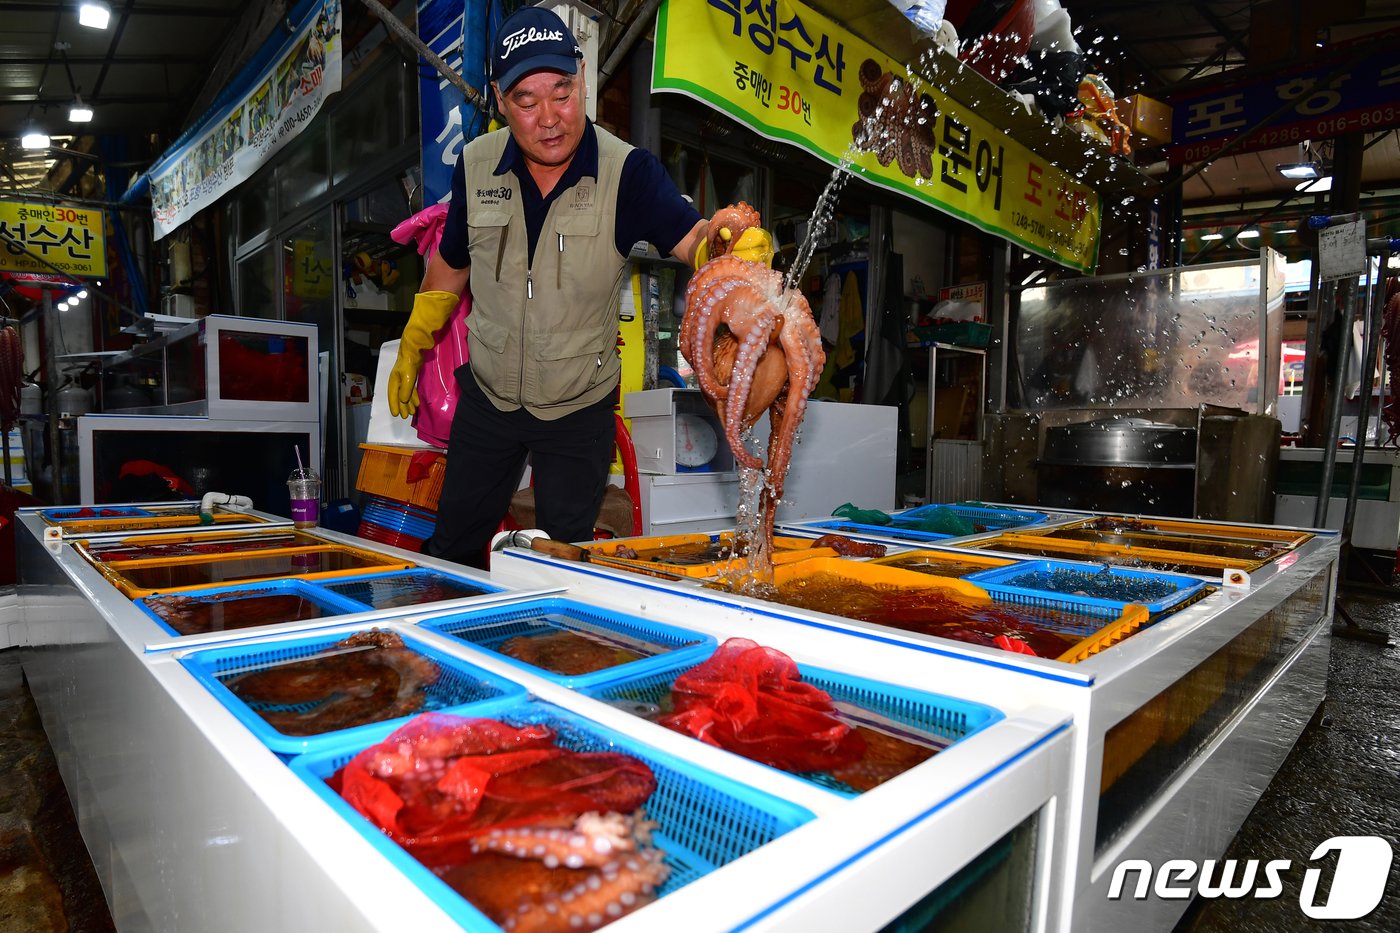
[1248,233]
[79,112]
[1316,185]
[82,293]
[95,15]
[34,138]
[1300,170]
[1212,236]
[1285,230]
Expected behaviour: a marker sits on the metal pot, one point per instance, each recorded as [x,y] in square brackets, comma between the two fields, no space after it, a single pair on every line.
[1121,442]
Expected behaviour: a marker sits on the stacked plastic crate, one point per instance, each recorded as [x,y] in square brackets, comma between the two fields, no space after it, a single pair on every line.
[399,489]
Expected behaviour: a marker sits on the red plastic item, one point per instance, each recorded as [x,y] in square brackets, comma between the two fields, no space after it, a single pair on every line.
[439,780]
[752,701]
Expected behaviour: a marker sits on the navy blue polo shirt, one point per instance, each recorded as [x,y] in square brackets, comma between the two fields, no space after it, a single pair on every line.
[649,207]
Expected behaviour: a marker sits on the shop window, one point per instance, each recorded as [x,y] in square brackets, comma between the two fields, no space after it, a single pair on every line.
[304,174]
[368,124]
[256,275]
[254,207]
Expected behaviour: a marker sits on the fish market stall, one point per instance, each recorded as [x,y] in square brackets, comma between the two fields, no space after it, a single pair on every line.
[1184,703]
[206,789]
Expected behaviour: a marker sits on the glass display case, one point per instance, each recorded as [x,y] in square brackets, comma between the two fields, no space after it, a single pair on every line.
[220,367]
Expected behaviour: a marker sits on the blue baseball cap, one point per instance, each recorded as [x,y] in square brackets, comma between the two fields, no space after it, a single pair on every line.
[532,39]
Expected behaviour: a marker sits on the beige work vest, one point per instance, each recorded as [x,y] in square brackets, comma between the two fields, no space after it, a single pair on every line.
[544,337]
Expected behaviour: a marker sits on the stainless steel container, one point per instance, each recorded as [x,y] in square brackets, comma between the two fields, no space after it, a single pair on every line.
[1120,442]
[1120,464]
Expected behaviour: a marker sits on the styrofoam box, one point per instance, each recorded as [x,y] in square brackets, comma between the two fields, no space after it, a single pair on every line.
[653,422]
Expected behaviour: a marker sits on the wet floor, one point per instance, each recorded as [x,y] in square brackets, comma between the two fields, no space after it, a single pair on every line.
[1343,778]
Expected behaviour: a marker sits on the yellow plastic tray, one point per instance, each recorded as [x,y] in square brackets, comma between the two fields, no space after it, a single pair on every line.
[1126,552]
[785,550]
[1133,617]
[979,561]
[96,526]
[119,574]
[872,574]
[1282,537]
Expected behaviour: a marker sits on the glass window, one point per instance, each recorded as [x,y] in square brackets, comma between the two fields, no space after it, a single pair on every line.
[994,891]
[254,200]
[368,124]
[257,275]
[304,175]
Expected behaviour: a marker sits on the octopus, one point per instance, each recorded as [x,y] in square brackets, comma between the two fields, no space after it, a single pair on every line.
[189,615]
[567,653]
[754,347]
[369,677]
[849,547]
[538,837]
[895,121]
[542,878]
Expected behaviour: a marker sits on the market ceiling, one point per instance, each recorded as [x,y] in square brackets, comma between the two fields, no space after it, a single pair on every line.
[146,71]
[138,75]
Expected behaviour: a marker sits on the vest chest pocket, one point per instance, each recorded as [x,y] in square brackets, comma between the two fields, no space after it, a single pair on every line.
[576,239]
[570,363]
[487,234]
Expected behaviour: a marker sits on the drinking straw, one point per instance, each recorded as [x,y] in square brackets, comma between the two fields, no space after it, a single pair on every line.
[297,448]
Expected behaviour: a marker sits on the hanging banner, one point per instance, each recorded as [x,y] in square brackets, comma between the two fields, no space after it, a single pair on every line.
[243,136]
[791,74]
[441,26]
[67,237]
[1354,91]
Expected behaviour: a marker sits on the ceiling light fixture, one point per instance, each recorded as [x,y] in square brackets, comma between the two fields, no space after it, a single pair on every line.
[34,138]
[1248,233]
[79,112]
[1212,236]
[1285,230]
[1316,185]
[95,15]
[1299,170]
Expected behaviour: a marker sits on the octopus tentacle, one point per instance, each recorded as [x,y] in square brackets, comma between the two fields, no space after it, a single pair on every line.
[591,841]
[616,889]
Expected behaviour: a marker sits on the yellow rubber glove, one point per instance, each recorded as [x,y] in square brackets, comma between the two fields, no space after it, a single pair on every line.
[755,244]
[430,312]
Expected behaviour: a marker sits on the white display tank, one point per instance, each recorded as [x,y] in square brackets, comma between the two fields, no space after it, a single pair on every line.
[1193,713]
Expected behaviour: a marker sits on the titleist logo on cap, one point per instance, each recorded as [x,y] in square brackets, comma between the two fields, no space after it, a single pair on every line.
[524,36]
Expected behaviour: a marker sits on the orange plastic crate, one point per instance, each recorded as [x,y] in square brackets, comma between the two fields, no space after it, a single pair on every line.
[384,472]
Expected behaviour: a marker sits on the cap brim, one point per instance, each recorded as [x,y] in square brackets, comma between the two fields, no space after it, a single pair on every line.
[565,64]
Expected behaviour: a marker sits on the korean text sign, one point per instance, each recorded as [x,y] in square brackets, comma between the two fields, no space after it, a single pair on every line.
[791,74]
[67,237]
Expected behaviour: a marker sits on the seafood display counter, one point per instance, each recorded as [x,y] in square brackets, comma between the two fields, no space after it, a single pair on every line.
[213,789]
[1187,690]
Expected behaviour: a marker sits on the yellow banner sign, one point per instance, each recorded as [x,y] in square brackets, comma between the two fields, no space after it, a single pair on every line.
[793,75]
[43,238]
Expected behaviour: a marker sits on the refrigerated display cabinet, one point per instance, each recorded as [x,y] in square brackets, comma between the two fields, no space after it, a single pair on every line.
[192,818]
[1182,712]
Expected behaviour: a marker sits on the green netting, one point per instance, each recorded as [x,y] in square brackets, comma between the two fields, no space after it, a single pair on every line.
[849,512]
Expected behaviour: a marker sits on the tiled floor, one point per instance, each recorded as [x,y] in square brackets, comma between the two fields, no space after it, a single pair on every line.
[1343,778]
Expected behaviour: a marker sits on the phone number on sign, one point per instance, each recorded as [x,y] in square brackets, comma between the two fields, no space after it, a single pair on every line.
[1374,118]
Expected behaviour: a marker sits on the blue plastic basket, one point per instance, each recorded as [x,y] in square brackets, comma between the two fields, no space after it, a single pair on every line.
[460,688]
[704,820]
[1001,583]
[662,646]
[982,516]
[65,515]
[403,588]
[332,604]
[929,718]
[841,526]
[398,517]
